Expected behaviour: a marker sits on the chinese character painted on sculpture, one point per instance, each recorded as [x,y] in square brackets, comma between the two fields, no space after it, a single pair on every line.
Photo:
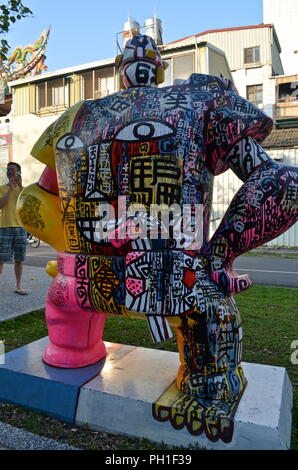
[108,162]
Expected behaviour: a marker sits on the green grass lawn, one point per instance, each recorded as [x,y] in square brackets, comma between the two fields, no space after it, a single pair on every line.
[269,316]
[271,254]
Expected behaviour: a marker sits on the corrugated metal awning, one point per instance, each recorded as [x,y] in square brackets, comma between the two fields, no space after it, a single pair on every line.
[281,138]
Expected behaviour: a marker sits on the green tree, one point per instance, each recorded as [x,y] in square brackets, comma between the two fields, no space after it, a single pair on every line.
[10,12]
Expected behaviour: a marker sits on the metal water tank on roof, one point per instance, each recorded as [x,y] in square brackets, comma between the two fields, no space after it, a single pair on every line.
[153,28]
[131,27]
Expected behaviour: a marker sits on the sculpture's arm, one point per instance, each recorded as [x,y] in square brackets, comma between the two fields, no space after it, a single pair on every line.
[245,157]
[38,210]
[263,208]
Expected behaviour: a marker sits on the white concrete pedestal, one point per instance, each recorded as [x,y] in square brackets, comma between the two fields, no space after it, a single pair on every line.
[120,399]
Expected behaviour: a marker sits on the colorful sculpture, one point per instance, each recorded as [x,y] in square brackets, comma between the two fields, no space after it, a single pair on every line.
[144,146]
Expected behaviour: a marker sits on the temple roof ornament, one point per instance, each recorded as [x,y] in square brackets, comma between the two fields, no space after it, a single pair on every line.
[28,60]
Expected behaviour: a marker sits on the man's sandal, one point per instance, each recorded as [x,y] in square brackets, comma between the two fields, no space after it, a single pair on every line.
[21,292]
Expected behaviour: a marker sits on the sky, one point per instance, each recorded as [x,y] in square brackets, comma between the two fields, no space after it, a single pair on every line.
[84,31]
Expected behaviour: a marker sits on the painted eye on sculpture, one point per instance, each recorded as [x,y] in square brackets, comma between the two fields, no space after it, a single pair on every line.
[69,142]
[144,130]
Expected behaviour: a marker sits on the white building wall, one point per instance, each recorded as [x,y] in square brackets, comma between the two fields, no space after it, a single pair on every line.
[277,67]
[26,130]
[269,91]
[225,187]
[284,15]
[256,76]
[5,147]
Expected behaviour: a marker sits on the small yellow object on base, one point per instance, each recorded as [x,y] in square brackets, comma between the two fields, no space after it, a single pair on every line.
[51,268]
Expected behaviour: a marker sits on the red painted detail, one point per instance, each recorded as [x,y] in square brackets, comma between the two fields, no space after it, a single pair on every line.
[189,277]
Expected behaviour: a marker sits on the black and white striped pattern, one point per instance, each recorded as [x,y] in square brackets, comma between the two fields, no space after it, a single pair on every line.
[141,244]
[159,328]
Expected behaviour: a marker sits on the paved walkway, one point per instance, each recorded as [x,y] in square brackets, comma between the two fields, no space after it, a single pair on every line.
[12,438]
[35,280]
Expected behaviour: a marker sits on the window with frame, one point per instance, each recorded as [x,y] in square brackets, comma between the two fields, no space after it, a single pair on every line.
[183,66]
[97,83]
[179,67]
[52,93]
[252,55]
[288,91]
[254,94]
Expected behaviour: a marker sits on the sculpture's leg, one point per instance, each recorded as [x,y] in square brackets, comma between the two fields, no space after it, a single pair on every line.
[210,350]
[75,333]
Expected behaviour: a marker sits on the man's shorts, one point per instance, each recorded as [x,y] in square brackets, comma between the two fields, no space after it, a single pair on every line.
[12,242]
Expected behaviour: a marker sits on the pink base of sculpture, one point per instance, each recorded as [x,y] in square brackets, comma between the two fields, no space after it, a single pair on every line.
[75,333]
[57,356]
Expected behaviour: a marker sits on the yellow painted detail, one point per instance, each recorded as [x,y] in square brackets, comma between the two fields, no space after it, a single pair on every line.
[39,212]
[180,341]
[118,60]
[121,84]
[44,149]
[173,321]
[214,420]
[160,75]
[70,233]
[151,53]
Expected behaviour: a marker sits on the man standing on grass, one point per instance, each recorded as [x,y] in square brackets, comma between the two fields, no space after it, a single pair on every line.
[12,234]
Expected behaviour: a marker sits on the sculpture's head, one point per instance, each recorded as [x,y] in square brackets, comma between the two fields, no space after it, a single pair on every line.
[141,64]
